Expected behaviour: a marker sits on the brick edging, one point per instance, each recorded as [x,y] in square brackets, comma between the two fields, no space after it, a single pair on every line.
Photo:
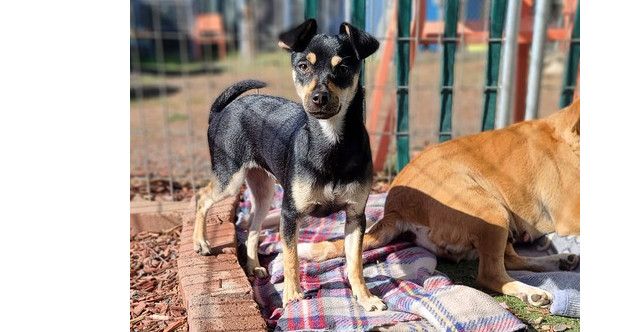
[215,290]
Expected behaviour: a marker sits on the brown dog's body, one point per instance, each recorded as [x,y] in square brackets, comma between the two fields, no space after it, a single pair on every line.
[476,195]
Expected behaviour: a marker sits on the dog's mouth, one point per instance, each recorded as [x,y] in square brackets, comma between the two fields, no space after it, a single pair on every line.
[326,112]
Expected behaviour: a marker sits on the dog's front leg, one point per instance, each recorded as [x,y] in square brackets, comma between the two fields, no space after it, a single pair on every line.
[354,229]
[289,236]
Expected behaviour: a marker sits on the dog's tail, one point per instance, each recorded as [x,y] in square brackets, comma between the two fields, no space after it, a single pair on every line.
[233,92]
[379,235]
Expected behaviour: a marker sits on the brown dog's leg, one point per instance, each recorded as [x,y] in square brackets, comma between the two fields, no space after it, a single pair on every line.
[557,262]
[354,230]
[384,231]
[492,274]
[491,243]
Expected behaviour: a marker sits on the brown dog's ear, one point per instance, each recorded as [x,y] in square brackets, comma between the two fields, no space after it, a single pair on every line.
[299,37]
[576,127]
[574,108]
[363,43]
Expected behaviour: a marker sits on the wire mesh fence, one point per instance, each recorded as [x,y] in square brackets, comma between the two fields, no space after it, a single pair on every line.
[184,53]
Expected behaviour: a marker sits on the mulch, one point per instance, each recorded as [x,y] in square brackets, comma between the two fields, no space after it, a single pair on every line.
[155,298]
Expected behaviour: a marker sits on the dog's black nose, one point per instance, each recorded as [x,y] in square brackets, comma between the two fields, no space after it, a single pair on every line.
[320,98]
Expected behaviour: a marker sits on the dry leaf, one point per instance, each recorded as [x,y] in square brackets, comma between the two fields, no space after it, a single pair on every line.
[561,327]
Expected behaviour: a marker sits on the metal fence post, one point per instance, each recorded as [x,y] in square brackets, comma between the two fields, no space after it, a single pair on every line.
[310,9]
[358,19]
[402,58]
[497,18]
[536,54]
[573,61]
[447,73]
[509,64]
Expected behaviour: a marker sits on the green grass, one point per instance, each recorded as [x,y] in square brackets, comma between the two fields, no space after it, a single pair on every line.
[464,273]
[176,117]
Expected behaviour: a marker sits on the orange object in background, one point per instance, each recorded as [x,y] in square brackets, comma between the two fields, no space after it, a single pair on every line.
[208,30]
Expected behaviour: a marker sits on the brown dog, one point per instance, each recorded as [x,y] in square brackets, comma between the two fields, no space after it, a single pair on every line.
[476,195]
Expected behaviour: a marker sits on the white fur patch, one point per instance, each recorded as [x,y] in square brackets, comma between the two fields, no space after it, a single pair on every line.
[332,127]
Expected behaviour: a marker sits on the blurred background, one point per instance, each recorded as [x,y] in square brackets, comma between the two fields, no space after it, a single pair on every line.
[444,69]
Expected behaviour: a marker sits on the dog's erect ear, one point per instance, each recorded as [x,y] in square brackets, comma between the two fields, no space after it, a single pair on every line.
[574,109]
[299,37]
[363,43]
[572,116]
[576,127]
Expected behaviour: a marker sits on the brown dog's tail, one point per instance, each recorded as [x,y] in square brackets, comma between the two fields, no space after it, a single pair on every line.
[379,235]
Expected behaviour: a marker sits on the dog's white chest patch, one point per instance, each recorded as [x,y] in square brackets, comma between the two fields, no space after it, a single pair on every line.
[332,128]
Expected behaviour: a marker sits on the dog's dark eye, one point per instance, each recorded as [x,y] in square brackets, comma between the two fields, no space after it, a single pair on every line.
[303,67]
[342,70]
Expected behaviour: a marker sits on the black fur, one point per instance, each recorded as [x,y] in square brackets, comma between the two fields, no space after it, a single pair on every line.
[296,39]
[279,137]
[232,93]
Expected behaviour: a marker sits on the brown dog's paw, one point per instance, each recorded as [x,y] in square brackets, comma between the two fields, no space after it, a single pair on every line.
[570,262]
[540,300]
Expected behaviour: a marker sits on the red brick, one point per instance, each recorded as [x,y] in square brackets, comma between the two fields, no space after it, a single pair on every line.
[215,290]
[155,216]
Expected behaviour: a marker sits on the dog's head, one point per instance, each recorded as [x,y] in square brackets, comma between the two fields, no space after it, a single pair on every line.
[326,69]
[567,124]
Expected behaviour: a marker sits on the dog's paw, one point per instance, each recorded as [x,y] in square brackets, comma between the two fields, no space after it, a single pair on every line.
[202,247]
[542,299]
[256,271]
[291,295]
[570,262]
[372,303]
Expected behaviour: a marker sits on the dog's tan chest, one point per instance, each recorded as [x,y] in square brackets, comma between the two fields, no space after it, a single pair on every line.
[330,198]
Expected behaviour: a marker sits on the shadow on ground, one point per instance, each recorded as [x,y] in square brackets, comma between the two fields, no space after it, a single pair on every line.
[151,91]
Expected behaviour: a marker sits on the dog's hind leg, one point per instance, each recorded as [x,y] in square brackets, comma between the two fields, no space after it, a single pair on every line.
[354,230]
[564,261]
[492,273]
[261,186]
[490,240]
[205,198]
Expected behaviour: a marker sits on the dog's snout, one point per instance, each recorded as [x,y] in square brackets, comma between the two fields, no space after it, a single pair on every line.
[320,98]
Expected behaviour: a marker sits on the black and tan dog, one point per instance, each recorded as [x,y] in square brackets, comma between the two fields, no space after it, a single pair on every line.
[319,151]
[475,196]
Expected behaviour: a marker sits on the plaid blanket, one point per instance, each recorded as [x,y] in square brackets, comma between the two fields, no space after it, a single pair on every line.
[401,274]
